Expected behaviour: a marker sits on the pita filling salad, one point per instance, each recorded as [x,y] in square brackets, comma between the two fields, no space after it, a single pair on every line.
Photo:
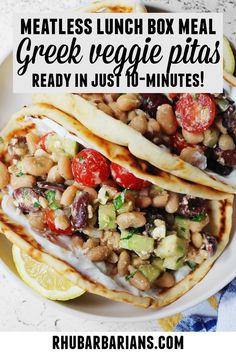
[200,128]
[119,229]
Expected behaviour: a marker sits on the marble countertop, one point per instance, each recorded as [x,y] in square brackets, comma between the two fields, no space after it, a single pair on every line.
[20,310]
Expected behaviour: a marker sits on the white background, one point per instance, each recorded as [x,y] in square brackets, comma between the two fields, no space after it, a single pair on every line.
[20,310]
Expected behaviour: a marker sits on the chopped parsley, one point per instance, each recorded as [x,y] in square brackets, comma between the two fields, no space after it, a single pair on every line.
[36,204]
[19,174]
[81,158]
[130,275]
[199,217]
[50,196]
[130,234]
[191,264]
[54,206]
[119,201]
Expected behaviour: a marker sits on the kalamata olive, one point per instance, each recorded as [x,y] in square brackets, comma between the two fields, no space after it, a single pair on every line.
[151,215]
[210,243]
[229,121]
[215,166]
[17,146]
[225,157]
[79,210]
[151,101]
[191,206]
[27,199]
[52,186]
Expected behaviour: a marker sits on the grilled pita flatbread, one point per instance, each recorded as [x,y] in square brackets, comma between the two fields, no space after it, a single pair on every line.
[220,225]
[119,133]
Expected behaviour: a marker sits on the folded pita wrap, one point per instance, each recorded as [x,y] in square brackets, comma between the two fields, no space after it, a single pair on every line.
[64,251]
[114,130]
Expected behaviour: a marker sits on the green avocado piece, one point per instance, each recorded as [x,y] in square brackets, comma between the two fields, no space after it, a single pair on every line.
[182,227]
[173,263]
[126,207]
[56,145]
[150,272]
[70,147]
[171,246]
[211,136]
[107,217]
[143,245]
[158,263]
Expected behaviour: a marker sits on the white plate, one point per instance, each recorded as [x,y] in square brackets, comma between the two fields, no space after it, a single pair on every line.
[95,307]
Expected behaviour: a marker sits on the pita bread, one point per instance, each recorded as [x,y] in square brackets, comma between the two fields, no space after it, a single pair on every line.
[119,133]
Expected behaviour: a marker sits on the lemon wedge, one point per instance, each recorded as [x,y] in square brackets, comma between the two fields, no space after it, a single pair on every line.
[44,279]
[228,57]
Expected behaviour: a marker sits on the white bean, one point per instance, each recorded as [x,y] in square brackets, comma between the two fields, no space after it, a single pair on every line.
[36,166]
[68,195]
[173,203]
[131,219]
[4,175]
[22,181]
[64,167]
[226,142]
[196,239]
[167,280]
[166,118]
[128,102]
[54,175]
[32,142]
[192,138]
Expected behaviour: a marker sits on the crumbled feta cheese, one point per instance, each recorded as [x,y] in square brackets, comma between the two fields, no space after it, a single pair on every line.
[160,229]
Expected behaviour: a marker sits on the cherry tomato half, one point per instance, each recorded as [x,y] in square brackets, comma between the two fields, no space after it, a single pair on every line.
[90,168]
[126,179]
[50,220]
[178,143]
[172,95]
[195,113]
[43,141]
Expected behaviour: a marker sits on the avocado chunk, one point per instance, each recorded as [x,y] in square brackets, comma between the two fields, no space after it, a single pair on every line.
[126,207]
[70,147]
[142,245]
[107,217]
[173,263]
[182,227]
[158,263]
[56,144]
[171,246]
[211,136]
[150,272]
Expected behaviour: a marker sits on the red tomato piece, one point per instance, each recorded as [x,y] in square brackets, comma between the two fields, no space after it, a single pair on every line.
[195,113]
[172,95]
[126,179]
[178,143]
[90,168]
[50,220]
[43,141]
